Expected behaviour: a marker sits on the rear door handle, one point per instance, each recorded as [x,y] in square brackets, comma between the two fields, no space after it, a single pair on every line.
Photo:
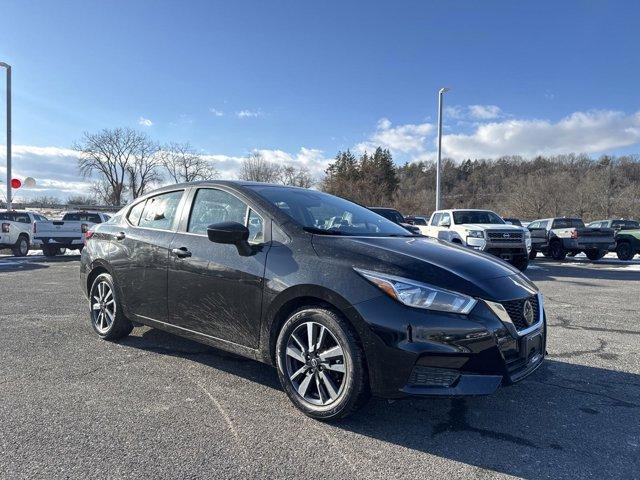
[120,236]
[182,252]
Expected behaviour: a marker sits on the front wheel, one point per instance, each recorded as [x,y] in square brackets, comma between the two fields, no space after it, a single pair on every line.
[321,364]
[521,263]
[624,251]
[533,254]
[107,318]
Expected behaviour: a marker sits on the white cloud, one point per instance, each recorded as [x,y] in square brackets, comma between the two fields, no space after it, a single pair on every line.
[472,112]
[216,112]
[399,139]
[580,132]
[309,158]
[485,112]
[145,122]
[249,114]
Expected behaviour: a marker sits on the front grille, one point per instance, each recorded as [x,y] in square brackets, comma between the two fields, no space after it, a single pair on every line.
[515,309]
[432,377]
[505,236]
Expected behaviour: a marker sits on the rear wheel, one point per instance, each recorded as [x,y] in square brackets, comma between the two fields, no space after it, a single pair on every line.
[557,251]
[595,254]
[624,251]
[21,248]
[107,318]
[321,365]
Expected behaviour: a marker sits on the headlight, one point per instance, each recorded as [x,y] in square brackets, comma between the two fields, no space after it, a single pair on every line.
[419,295]
[476,233]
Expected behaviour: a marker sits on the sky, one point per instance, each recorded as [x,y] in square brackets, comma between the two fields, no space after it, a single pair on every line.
[299,81]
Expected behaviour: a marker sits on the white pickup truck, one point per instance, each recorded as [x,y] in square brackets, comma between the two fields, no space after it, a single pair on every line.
[16,230]
[482,230]
[68,233]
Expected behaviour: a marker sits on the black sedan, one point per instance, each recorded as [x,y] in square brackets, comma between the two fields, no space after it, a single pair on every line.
[342,301]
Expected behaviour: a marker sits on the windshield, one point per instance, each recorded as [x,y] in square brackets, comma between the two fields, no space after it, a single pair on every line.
[389,214]
[476,216]
[321,213]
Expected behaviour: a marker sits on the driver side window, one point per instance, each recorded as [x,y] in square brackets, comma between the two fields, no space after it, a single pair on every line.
[445,220]
[211,205]
[435,221]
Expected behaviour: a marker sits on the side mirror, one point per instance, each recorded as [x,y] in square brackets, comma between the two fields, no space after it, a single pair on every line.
[446,223]
[231,233]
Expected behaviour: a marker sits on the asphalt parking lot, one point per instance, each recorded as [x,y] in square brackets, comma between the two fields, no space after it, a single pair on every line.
[157,406]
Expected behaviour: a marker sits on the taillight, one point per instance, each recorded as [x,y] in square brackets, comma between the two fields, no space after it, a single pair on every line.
[574,234]
[87,235]
[5,227]
[84,228]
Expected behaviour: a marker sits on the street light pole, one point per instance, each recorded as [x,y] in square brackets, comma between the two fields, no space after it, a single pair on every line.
[8,67]
[438,164]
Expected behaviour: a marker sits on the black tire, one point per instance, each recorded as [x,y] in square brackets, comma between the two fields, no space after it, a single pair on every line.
[533,254]
[557,251]
[105,310]
[21,248]
[49,251]
[521,264]
[350,388]
[624,250]
[595,254]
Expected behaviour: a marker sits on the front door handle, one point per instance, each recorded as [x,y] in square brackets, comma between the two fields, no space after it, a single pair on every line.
[182,252]
[120,236]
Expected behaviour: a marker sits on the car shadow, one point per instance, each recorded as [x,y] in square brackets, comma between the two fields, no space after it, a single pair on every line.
[32,262]
[564,421]
[549,270]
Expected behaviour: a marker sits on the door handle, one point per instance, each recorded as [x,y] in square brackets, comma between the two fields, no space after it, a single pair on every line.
[182,252]
[120,236]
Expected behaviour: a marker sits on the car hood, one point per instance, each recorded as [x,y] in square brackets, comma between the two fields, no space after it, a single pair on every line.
[491,226]
[431,261]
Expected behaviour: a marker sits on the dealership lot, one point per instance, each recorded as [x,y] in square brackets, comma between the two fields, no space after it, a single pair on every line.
[158,406]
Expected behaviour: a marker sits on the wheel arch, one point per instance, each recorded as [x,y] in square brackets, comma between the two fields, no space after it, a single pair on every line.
[292,299]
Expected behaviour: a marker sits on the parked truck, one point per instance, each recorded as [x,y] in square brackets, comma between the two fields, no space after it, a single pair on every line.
[627,236]
[16,231]
[482,230]
[557,237]
[56,236]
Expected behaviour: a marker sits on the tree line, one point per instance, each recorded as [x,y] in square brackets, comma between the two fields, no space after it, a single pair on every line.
[543,186]
[124,164]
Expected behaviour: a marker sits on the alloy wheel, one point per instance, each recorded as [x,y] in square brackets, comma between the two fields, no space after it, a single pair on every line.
[315,364]
[103,307]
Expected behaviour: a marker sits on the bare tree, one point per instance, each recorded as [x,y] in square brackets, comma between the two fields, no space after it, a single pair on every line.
[143,169]
[183,164]
[256,168]
[297,177]
[121,158]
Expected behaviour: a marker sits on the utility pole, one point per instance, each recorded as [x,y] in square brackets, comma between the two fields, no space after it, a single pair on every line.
[441,92]
[8,67]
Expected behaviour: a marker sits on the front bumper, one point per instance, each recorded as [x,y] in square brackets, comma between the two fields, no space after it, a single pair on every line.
[420,352]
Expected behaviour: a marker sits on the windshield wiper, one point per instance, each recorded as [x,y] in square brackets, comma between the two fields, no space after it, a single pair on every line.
[321,231]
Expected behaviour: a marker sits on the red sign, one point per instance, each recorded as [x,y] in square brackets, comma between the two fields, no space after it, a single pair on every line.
[15,183]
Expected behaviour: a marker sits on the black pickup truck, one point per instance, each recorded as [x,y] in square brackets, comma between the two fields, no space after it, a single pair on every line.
[557,237]
[627,236]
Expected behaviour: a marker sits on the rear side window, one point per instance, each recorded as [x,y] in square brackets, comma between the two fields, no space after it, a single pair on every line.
[82,217]
[135,213]
[561,223]
[215,206]
[160,211]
